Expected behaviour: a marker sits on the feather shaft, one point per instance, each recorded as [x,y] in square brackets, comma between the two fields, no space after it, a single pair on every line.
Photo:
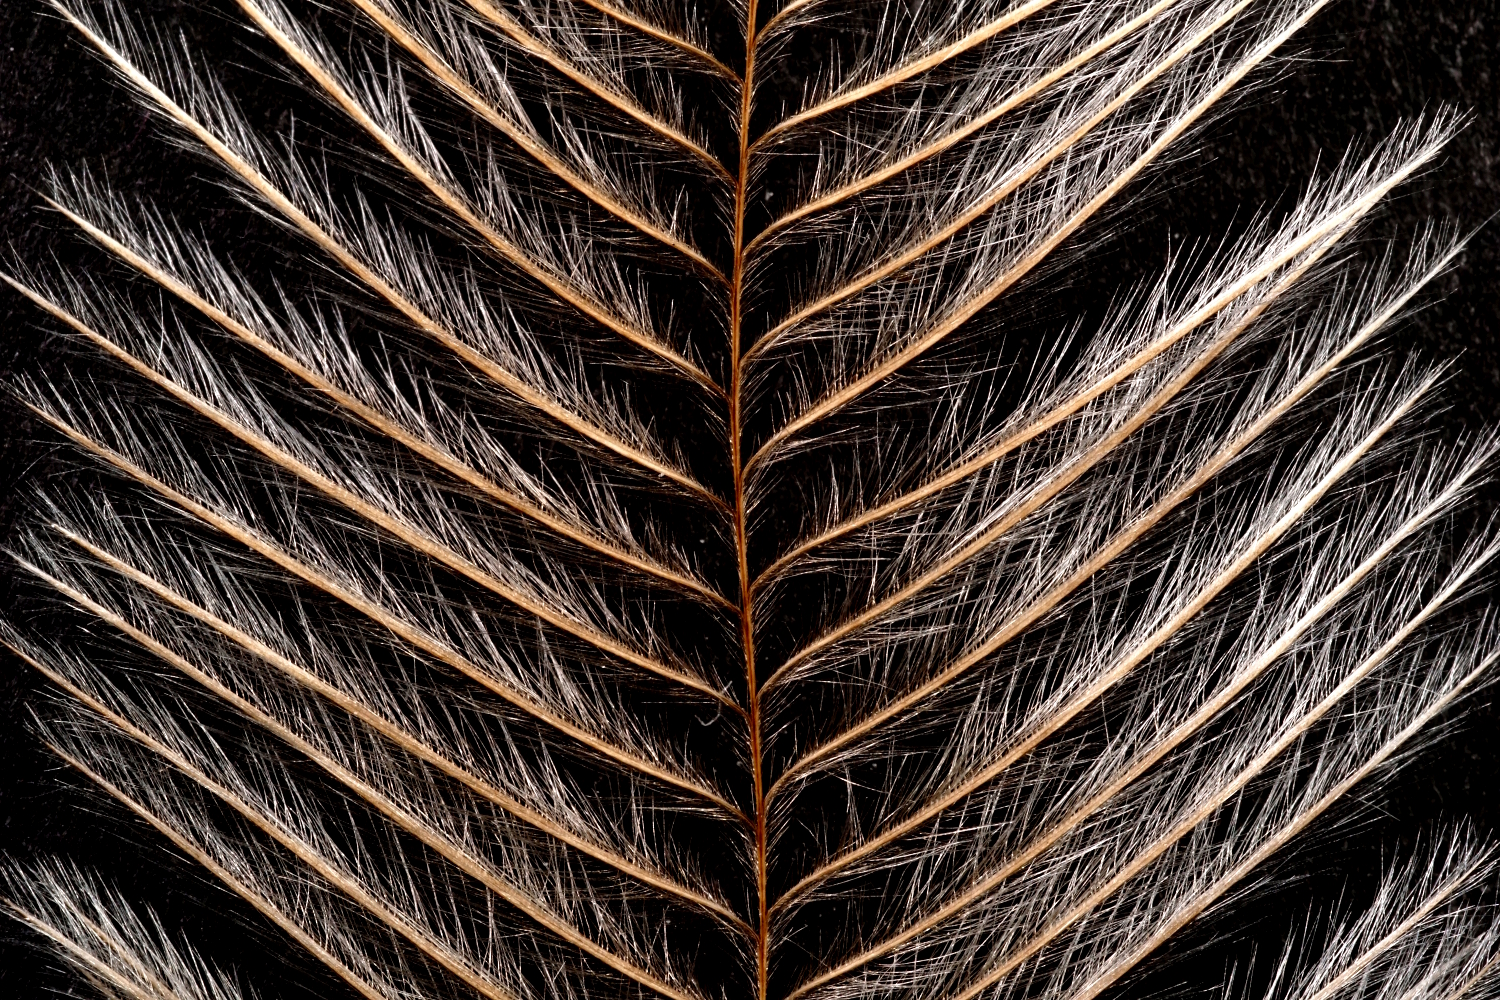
[392,584]
[737,464]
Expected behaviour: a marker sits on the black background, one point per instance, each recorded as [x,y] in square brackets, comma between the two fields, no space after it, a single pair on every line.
[1358,70]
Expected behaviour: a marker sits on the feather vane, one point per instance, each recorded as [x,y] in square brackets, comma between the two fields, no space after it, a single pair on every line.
[630,543]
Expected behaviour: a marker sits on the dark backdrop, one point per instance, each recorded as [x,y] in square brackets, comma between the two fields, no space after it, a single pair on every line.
[1360,68]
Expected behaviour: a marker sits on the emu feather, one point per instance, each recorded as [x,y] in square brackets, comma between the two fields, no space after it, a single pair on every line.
[657,530]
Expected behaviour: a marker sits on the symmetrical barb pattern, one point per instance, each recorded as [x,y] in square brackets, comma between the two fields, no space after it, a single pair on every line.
[661,526]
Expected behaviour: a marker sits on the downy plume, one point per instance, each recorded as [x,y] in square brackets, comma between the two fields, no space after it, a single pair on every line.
[656,526]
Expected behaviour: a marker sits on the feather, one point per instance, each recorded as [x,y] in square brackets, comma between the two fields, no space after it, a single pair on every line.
[120,951]
[1427,933]
[656,530]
